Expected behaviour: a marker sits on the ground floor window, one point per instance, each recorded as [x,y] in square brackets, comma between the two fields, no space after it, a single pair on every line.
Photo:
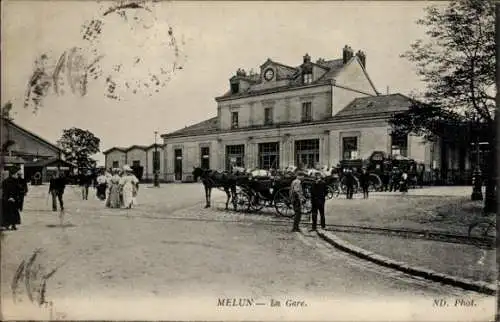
[399,144]
[136,163]
[235,156]
[178,164]
[116,164]
[350,148]
[269,155]
[306,153]
[205,157]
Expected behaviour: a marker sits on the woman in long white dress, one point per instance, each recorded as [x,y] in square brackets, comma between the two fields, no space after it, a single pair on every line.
[129,184]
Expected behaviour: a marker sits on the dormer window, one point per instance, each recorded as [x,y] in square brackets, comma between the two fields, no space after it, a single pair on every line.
[235,88]
[307,78]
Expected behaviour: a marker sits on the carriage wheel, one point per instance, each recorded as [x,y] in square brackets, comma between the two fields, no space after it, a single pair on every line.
[283,203]
[242,201]
[256,202]
[375,183]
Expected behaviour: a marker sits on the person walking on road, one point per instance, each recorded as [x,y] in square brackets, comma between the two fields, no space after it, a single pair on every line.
[101,186]
[11,193]
[403,187]
[349,182]
[129,184]
[56,189]
[23,186]
[364,181]
[319,191]
[85,183]
[297,197]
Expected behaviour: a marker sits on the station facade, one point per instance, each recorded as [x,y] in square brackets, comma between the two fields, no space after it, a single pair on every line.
[313,114]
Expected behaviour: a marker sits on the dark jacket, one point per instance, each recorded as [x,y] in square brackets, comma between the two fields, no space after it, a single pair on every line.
[23,185]
[364,179]
[85,180]
[319,190]
[10,189]
[57,184]
[349,179]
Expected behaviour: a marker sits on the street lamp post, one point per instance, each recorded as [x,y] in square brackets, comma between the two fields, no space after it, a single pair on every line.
[477,193]
[155,167]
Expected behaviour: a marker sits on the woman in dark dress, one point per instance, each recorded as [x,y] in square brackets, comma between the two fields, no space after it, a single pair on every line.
[11,195]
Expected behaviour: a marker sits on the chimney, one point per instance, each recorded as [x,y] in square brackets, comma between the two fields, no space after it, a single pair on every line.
[347,54]
[307,59]
[362,57]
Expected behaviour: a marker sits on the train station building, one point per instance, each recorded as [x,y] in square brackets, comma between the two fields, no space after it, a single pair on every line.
[316,113]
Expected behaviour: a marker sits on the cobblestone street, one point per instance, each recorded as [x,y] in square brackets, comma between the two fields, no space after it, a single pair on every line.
[169,247]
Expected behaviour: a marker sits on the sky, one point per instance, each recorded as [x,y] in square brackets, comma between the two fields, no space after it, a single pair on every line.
[207,42]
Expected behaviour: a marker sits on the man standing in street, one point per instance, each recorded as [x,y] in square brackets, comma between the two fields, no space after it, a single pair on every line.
[10,200]
[318,195]
[364,181]
[297,197]
[56,189]
[85,182]
[349,182]
[23,187]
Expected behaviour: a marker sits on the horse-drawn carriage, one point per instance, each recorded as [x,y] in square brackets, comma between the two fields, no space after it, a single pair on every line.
[266,190]
[382,168]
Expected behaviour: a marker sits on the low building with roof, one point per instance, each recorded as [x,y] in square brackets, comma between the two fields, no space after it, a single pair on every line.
[137,156]
[27,150]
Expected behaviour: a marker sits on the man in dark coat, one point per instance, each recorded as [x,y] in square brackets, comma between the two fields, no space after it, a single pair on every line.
[85,183]
[23,186]
[349,182]
[10,201]
[364,181]
[56,189]
[319,191]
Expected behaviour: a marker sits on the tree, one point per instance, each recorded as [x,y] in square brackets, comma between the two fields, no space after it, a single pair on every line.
[457,62]
[78,145]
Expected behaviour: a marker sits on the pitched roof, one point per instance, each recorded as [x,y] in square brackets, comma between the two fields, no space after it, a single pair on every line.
[331,67]
[375,105]
[135,146]
[29,133]
[118,148]
[205,127]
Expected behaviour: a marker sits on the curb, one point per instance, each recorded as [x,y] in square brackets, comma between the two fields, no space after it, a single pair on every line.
[481,287]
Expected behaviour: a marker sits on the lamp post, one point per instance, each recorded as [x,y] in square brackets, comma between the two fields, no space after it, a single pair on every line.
[477,193]
[155,163]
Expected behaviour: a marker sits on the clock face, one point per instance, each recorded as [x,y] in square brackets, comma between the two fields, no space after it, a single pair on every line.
[269,74]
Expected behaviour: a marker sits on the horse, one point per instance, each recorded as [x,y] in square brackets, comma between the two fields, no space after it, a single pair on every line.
[214,179]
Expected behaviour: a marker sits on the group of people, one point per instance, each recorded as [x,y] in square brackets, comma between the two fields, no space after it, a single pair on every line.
[14,189]
[119,188]
[318,191]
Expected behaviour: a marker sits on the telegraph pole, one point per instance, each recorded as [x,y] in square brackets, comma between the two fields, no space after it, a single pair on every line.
[155,165]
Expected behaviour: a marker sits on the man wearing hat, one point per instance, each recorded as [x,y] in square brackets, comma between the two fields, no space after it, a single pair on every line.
[319,191]
[85,182]
[23,186]
[56,189]
[10,200]
[297,196]
[364,182]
